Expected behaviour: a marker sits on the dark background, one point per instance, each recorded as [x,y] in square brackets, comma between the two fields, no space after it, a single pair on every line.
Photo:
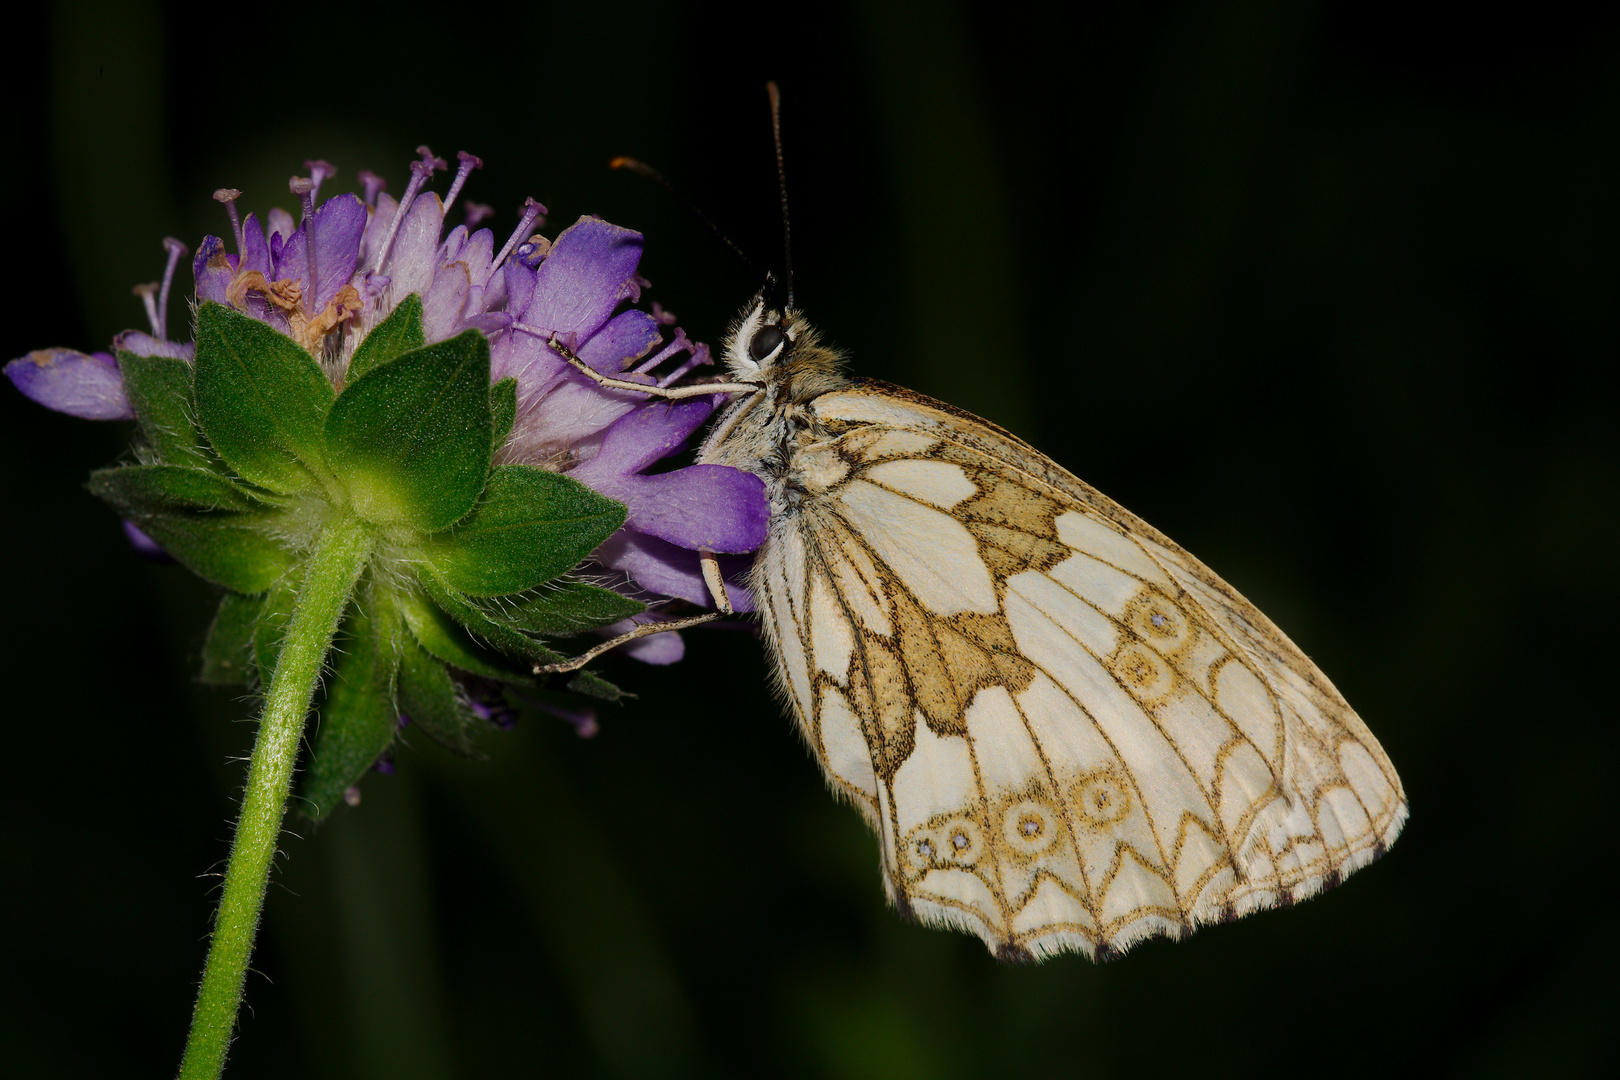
[1323,290]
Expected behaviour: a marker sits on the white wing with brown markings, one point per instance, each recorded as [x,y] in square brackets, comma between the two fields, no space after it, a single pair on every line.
[1068,733]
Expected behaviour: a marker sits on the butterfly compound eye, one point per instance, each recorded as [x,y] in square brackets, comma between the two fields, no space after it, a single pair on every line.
[766,339]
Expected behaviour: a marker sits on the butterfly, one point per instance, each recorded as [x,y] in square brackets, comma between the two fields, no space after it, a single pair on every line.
[1067,732]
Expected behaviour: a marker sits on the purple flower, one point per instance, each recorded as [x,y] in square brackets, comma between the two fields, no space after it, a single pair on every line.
[86,385]
[337,271]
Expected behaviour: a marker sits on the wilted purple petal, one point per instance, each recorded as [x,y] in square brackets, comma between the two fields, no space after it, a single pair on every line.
[583,278]
[213,268]
[86,385]
[626,338]
[664,568]
[142,344]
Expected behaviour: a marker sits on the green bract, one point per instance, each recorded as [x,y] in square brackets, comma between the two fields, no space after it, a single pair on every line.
[251,459]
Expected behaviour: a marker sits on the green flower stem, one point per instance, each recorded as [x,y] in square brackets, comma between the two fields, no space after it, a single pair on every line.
[333,569]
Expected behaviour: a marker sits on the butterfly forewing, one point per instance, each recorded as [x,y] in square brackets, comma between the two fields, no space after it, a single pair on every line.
[1068,732]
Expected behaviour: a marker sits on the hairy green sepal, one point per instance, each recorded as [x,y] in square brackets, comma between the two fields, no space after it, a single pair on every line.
[227,656]
[159,389]
[401,332]
[360,718]
[410,439]
[251,456]
[530,526]
[261,400]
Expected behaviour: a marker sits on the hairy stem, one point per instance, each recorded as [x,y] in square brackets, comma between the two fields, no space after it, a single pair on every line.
[339,558]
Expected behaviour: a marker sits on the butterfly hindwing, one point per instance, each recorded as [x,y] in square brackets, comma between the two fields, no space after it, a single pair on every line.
[1068,733]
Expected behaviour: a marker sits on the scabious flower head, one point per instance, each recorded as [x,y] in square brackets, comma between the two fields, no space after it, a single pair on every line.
[329,277]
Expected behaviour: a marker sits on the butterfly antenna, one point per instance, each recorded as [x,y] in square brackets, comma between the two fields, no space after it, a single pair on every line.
[781,184]
[641,168]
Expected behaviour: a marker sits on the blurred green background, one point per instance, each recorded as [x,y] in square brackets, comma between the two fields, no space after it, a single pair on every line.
[1323,290]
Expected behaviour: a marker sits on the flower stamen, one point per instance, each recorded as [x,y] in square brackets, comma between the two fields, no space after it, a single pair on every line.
[228,196]
[148,294]
[421,172]
[700,356]
[177,251]
[374,185]
[305,189]
[431,161]
[469,162]
[532,212]
[319,171]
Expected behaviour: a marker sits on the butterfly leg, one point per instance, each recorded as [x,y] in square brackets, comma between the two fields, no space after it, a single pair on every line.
[670,393]
[644,630]
[722,602]
[716,583]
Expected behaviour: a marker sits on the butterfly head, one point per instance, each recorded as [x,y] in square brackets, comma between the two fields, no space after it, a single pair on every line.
[774,345]
[761,340]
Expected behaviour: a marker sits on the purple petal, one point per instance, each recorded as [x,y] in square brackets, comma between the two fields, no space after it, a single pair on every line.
[280,227]
[444,301]
[664,568]
[146,345]
[489,324]
[569,417]
[450,248]
[333,236]
[256,256]
[255,253]
[495,293]
[85,385]
[626,338]
[479,255]
[583,278]
[145,546]
[525,358]
[292,257]
[213,269]
[377,229]
[519,285]
[338,224]
[412,260]
[712,507]
[660,649]
[645,436]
